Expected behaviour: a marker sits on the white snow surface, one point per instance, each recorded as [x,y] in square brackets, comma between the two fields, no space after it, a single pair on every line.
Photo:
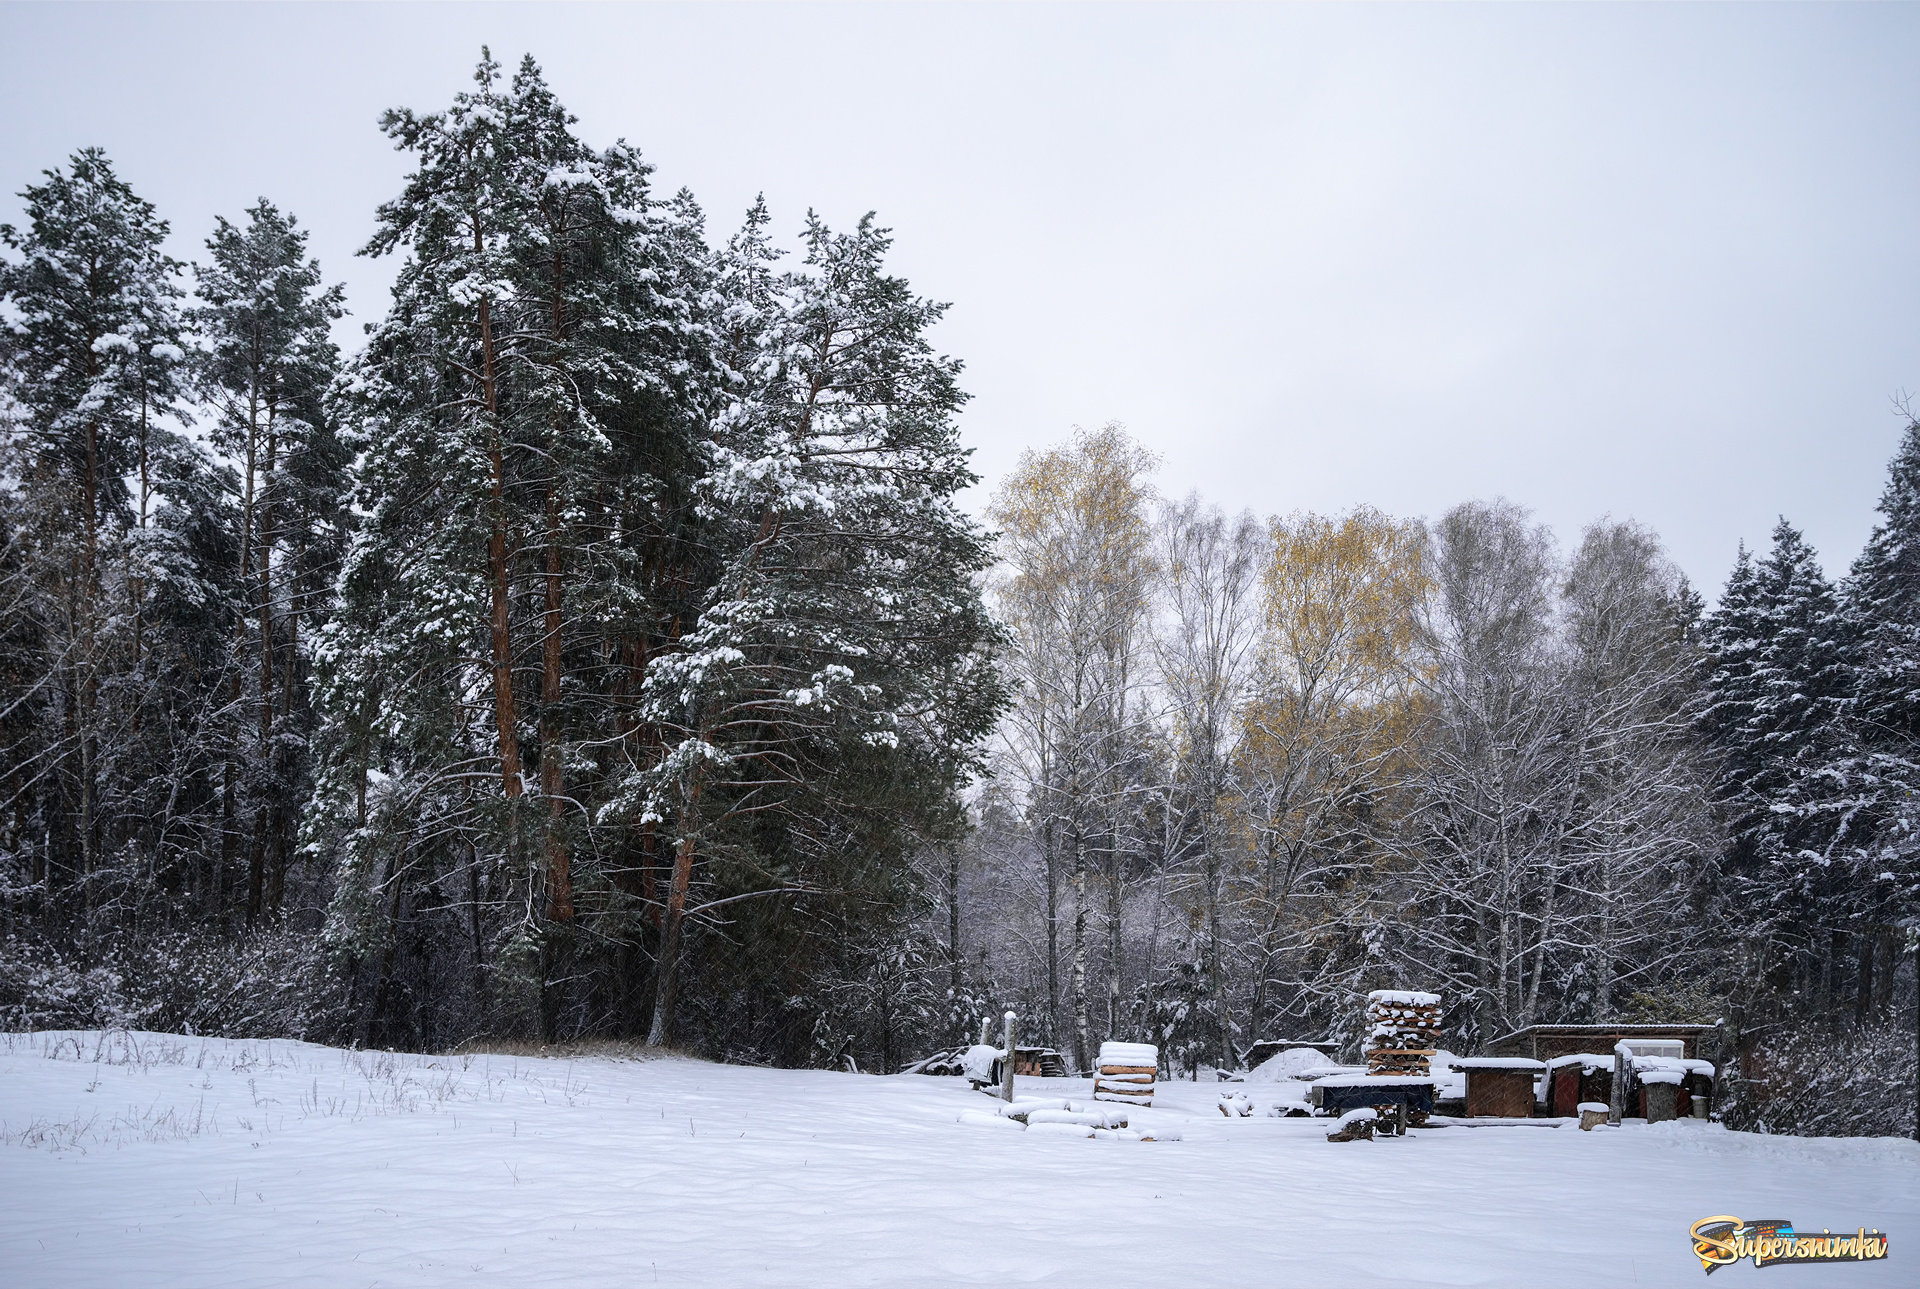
[156,1160]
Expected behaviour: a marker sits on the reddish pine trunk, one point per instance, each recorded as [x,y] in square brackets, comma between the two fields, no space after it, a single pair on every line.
[666,971]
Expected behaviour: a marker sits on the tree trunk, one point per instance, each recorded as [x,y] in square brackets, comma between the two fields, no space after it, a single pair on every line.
[85,690]
[257,855]
[1216,972]
[1053,930]
[559,862]
[552,766]
[953,920]
[477,939]
[1114,929]
[500,623]
[1863,992]
[1080,1061]
[666,970]
[1889,968]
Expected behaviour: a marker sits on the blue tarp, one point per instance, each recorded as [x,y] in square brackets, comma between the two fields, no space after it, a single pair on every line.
[1351,1096]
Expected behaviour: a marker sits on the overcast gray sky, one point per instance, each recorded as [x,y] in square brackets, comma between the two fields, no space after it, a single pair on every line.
[1658,261]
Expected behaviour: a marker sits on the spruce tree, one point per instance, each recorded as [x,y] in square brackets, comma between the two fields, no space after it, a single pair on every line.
[1874,782]
[1776,710]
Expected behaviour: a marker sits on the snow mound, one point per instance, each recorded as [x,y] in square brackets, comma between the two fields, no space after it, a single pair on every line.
[1289,1064]
[1101,1118]
[981,1119]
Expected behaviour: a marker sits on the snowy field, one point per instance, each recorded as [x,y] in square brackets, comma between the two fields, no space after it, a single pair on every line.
[151,1159]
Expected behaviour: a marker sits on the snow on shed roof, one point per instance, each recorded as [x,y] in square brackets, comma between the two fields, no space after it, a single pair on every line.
[1497,1063]
[1586,1060]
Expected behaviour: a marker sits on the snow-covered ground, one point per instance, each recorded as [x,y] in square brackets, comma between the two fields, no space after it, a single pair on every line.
[152,1159]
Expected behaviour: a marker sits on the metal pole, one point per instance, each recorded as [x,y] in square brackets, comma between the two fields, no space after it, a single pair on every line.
[1006,1065]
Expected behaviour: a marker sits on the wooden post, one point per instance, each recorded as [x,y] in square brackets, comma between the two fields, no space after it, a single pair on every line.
[986,1029]
[1616,1097]
[1006,1066]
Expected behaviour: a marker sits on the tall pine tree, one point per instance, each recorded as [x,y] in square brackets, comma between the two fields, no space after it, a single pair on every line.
[267,370]
[116,560]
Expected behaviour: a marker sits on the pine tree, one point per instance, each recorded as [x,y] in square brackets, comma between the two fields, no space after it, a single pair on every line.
[523,404]
[827,700]
[113,499]
[267,371]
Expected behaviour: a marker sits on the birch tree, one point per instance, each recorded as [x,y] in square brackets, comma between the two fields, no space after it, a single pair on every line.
[1484,898]
[1323,747]
[1077,567]
[1210,569]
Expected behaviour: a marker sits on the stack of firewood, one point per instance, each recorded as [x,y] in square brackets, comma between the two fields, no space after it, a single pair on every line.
[1403,1031]
[1126,1073]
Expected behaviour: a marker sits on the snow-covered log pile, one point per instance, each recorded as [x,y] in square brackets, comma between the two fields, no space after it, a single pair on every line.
[1403,1031]
[1355,1125]
[1126,1073]
[940,1063]
[1058,1116]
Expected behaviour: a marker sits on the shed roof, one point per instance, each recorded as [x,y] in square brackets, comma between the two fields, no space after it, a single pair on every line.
[1572,1031]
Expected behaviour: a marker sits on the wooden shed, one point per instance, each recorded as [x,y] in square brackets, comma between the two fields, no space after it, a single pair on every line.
[1577,1077]
[1500,1087]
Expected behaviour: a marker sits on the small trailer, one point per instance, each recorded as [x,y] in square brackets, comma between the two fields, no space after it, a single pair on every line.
[1405,1095]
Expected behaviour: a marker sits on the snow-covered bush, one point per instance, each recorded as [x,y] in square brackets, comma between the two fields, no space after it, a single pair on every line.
[273,983]
[1851,1083]
[42,989]
[270,984]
